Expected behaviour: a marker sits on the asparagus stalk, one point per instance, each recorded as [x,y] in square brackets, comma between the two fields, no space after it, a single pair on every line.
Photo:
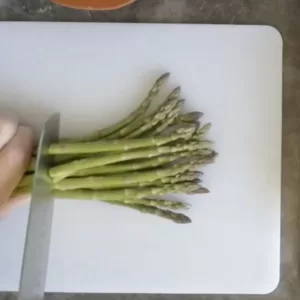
[170,130]
[25,190]
[123,167]
[160,203]
[184,132]
[129,193]
[190,117]
[169,119]
[202,131]
[135,125]
[188,177]
[25,181]
[135,165]
[65,170]
[158,115]
[192,176]
[110,182]
[145,205]
[161,182]
[121,180]
[141,110]
[203,160]
[60,159]
[166,214]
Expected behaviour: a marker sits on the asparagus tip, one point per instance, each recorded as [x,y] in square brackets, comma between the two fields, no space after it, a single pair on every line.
[165,75]
[182,219]
[198,173]
[175,93]
[161,80]
[199,190]
[181,102]
[187,130]
[200,114]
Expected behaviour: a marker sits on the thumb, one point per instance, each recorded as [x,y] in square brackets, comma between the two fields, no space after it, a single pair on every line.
[14,159]
[8,128]
[14,202]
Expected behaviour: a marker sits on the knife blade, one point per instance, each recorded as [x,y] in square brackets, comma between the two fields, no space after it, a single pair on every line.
[37,243]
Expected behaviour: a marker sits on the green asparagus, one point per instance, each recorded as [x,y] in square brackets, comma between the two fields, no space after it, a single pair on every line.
[202,131]
[135,160]
[168,120]
[166,214]
[25,181]
[190,117]
[158,115]
[115,181]
[60,172]
[138,123]
[181,177]
[160,203]
[140,164]
[171,179]
[129,193]
[140,111]
[184,132]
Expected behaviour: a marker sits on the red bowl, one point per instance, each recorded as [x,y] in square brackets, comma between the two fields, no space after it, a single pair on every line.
[94,4]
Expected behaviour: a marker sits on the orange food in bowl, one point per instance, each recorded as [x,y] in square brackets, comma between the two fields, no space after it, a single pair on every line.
[94,4]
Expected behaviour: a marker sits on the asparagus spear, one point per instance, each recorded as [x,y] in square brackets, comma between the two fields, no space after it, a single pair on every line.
[181,177]
[135,165]
[62,171]
[168,121]
[174,127]
[64,158]
[203,160]
[129,193]
[25,190]
[160,203]
[184,132]
[60,159]
[121,180]
[158,115]
[190,117]
[166,214]
[135,125]
[201,131]
[160,182]
[141,110]
[144,205]
[25,181]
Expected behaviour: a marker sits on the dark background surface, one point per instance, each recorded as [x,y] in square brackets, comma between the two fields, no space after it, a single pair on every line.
[285,16]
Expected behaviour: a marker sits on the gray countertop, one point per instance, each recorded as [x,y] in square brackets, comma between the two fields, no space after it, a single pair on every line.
[284,15]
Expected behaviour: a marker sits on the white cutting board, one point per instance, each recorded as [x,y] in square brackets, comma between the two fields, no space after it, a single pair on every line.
[95,74]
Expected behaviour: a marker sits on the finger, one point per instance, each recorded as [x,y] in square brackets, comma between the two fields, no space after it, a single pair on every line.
[5,209]
[8,128]
[20,200]
[14,159]
[14,202]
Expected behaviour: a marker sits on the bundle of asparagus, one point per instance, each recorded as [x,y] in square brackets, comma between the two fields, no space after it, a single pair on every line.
[140,157]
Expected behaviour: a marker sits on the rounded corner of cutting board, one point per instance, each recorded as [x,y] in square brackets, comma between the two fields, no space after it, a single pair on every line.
[272,285]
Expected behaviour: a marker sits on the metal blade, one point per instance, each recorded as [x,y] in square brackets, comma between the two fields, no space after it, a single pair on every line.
[36,251]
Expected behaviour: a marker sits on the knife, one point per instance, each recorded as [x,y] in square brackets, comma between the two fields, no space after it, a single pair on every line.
[37,243]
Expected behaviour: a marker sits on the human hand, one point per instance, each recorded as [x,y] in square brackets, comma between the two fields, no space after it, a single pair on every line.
[16,146]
